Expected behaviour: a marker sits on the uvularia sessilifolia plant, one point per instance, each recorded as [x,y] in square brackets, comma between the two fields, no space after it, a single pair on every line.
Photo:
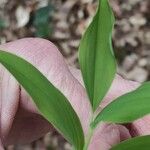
[98,67]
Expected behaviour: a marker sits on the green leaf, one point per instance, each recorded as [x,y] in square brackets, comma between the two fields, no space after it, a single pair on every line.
[3,24]
[41,21]
[96,56]
[138,143]
[128,107]
[51,103]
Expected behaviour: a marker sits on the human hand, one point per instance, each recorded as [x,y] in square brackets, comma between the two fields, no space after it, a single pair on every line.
[20,120]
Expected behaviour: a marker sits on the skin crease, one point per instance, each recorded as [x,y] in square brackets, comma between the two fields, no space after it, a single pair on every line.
[20,121]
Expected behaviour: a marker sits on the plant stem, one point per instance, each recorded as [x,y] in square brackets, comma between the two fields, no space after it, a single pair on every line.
[88,139]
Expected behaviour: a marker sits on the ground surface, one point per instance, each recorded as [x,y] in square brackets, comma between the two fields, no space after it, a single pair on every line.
[67,21]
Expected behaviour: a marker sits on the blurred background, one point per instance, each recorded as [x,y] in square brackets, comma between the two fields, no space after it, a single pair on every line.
[63,22]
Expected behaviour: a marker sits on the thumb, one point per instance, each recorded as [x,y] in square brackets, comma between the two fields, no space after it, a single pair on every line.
[45,57]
